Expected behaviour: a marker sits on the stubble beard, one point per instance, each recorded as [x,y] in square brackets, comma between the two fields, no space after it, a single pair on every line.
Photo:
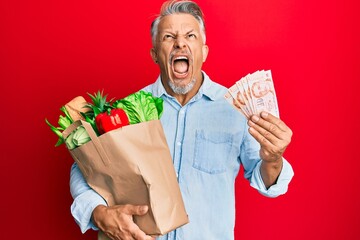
[182,90]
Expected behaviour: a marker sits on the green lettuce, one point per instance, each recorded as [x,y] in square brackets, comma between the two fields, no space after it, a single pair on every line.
[77,138]
[80,136]
[69,141]
[141,107]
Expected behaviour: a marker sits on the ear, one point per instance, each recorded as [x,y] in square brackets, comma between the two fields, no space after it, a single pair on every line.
[205,51]
[153,55]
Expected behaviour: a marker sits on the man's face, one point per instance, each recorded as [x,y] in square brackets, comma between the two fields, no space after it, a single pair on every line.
[260,89]
[180,52]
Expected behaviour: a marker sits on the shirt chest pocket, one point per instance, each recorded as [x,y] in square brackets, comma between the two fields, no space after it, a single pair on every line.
[212,150]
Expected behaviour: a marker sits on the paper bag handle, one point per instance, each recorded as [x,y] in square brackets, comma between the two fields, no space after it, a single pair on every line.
[70,129]
[92,135]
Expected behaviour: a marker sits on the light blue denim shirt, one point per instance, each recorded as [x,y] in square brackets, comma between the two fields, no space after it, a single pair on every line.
[208,141]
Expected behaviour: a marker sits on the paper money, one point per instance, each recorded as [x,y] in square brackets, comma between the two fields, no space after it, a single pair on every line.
[253,94]
[235,104]
[238,100]
[244,82]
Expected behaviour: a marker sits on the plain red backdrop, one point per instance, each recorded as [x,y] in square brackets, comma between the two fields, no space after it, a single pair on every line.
[52,51]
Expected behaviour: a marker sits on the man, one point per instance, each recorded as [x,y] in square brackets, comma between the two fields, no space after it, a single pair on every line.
[208,140]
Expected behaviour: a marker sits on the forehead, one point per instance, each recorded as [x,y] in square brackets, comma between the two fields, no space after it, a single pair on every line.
[178,22]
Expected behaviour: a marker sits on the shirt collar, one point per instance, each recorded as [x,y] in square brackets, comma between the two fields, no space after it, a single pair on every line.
[207,88]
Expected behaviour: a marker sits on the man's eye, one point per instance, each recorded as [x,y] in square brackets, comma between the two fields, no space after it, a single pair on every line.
[191,35]
[167,36]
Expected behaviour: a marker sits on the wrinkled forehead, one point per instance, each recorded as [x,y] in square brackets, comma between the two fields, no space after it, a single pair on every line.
[178,23]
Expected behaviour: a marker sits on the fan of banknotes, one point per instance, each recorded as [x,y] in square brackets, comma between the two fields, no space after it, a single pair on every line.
[253,94]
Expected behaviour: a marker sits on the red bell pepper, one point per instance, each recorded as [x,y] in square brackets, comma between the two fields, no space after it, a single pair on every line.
[107,121]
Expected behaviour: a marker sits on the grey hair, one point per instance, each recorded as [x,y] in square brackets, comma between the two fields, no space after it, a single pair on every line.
[178,6]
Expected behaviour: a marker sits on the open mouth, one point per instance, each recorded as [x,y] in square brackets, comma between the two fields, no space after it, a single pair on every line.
[180,66]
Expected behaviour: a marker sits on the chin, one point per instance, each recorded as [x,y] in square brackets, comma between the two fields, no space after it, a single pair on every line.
[181,88]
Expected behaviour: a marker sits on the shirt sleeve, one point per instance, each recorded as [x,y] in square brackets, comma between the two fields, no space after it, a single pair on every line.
[250,159]
[85,200]
[281,185]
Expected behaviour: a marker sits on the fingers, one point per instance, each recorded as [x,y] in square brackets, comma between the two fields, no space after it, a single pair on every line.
[262,136]
[276,121]
[133,232]
[272,134]
[268,123]
[135,209]
[117,222]
[138,234]
[269,151]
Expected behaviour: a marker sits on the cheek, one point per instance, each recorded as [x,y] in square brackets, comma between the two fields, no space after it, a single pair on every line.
[199,59]
[165,50]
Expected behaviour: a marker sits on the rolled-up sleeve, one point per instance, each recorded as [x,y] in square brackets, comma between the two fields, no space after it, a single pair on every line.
[85,200]
[281,185]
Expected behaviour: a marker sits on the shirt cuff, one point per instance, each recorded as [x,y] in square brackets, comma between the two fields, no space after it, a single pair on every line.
[281,185]
[82,208]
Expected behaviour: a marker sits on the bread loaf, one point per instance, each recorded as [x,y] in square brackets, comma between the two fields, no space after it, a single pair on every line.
[75,106]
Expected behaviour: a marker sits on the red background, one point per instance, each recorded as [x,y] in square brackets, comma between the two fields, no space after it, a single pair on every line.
[52,51]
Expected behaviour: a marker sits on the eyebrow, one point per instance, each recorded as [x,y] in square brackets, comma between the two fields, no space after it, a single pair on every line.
[170,32]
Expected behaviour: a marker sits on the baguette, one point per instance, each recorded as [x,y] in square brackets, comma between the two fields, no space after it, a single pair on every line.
[75,106]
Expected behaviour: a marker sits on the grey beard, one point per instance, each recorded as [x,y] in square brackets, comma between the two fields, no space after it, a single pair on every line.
[182,90]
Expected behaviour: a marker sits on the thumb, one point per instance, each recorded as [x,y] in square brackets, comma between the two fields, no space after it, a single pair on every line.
[137,210]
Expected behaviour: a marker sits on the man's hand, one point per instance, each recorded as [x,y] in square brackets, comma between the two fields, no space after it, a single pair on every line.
[274,136]
[117,221]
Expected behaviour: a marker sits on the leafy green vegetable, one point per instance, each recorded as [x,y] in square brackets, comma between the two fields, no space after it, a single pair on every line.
[69,141]
[77,138]
[91,119]
[64,122]
[141,107]
[80,136]
[57,131]
[64,110]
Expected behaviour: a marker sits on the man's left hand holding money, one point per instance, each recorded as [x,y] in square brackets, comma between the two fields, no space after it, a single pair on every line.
[274,136]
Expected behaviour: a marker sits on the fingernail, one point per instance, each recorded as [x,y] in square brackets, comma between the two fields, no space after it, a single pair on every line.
[255,118]
[264,114]
[251,123]
[143,208]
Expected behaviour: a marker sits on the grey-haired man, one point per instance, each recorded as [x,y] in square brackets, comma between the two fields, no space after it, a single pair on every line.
[208,140]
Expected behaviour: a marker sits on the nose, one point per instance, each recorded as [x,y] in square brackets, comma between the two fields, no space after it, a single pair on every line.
[179,43]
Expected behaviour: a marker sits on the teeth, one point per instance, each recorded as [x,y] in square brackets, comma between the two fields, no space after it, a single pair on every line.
[181,57]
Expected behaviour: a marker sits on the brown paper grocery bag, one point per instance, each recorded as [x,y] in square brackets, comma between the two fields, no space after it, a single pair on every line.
[133,165]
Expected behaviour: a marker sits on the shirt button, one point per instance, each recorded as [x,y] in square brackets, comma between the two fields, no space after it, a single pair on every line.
[178,143]
[182,112]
